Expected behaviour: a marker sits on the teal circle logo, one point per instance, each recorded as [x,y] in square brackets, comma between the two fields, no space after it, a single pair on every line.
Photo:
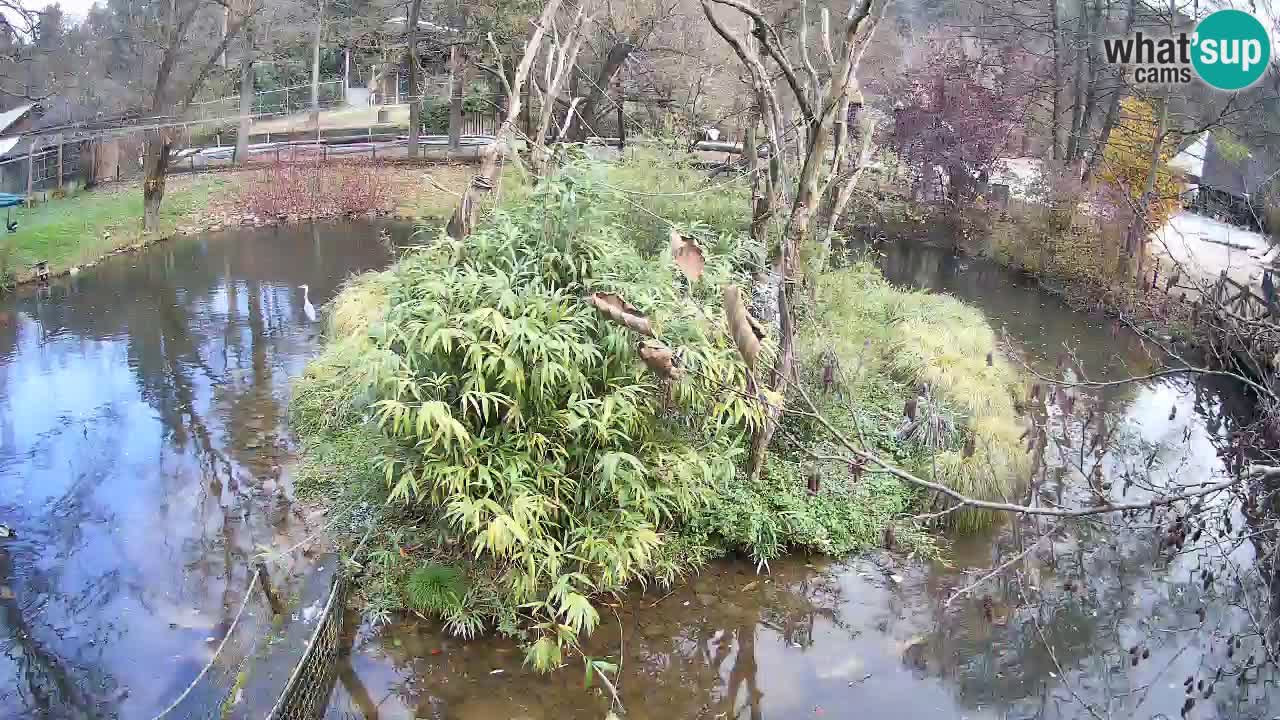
[1232,49]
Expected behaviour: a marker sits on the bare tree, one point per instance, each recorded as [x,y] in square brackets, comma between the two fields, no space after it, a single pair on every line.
[464,216]
[183,64]
[246,94]
[415,104]
[562,55]
[823,100]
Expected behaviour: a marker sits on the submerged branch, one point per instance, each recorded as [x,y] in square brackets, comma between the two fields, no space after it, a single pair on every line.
[1209,489]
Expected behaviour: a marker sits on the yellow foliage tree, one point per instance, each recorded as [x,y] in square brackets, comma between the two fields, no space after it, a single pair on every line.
[1127,160]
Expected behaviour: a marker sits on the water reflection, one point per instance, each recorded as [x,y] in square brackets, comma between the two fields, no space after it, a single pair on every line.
[144,459]
[876,636]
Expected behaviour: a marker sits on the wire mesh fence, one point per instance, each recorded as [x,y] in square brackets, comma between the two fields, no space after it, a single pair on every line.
[281,101]
[307,692]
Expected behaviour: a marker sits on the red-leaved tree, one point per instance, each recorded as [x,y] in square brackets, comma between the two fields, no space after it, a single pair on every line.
[957,122]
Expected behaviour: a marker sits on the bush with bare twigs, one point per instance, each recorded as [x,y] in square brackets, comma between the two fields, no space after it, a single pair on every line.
[318,189]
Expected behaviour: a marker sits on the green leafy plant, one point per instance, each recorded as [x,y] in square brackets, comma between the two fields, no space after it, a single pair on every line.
[435,112]
[525,422]
[438,588]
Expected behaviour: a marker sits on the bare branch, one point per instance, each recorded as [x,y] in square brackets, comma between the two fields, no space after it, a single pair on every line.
[772,44]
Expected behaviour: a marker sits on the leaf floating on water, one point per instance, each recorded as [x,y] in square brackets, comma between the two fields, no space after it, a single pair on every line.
[688,256]
[612,306]
[751,586]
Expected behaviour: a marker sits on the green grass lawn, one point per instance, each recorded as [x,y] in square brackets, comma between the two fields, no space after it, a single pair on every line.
[68,231]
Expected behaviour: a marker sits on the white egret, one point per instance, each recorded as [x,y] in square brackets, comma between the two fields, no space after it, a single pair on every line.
[307,308]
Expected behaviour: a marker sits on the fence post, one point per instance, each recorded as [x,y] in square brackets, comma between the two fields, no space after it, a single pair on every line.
[59,185]
[265,581]
[31,171]
[622,131]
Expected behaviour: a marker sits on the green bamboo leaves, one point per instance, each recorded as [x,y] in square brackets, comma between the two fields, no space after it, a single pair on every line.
[552,448]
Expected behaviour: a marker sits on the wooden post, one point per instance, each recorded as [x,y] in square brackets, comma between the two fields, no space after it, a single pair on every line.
[265,581]
[31,175]
[60,175]
[622,130]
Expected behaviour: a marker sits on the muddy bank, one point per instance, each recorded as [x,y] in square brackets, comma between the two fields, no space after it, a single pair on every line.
[420,190]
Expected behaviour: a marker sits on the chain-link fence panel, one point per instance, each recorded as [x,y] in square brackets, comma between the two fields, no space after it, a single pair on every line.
[307,692]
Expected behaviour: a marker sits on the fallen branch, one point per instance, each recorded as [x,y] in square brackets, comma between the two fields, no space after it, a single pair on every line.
[998,569]
[1209,489]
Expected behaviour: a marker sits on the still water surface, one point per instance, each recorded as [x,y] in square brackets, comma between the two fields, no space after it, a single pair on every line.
[144,460]
[874,637]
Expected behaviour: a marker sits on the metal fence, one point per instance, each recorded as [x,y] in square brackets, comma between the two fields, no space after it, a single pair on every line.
[281,101]
[306,694]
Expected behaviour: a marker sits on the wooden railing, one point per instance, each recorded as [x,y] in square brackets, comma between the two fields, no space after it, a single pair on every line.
[1239,299]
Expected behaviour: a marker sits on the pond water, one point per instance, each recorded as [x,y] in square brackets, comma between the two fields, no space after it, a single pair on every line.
[875,636]
[144,458]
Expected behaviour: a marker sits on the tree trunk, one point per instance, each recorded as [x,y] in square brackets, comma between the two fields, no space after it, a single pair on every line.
[1113,107]
[155,166]
[622,130]
[1138,228]
[1077,87]
[565,60]
[415,103]
[464,216]
[246,98]
[759,207]
[1056,117]
[456,89]
[1091,88]
[315,71]
[458,62]
[589,109]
